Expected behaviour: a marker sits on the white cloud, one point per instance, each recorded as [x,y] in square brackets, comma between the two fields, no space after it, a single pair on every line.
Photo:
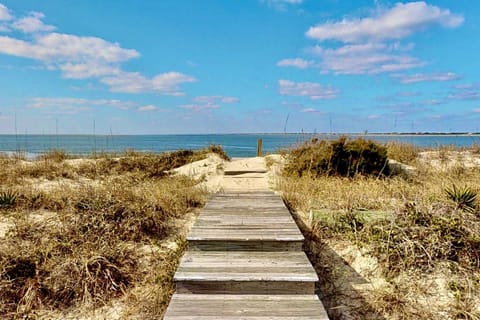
[207,103]
[32,23]
[370,58]
[314,91]
[310,110]
[88,70]
[133,82]
[91,57]
[373,116]
[147,108]
[5,14]
[61,48]
[81,57]
[215,99]
[281,4]
[81,103]
[424,77]
[200,107]
[433,102]
[469,91]
[296,62]
[396,23]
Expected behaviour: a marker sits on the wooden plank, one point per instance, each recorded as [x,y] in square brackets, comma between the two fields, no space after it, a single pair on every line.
[245,245]
[245,272]
[238,173]
[245,287]
[250,221]
[245,261]
[251,307]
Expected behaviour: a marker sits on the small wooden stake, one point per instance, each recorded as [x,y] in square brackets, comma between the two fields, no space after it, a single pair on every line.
[259,147]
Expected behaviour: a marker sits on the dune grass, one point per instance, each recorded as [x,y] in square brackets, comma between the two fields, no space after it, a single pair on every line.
[86,234]
[417,235]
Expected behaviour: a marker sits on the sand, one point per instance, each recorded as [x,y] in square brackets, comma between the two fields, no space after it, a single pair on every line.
[239,174]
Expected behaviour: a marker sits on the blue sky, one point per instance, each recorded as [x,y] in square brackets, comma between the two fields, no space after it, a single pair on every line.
[172,66]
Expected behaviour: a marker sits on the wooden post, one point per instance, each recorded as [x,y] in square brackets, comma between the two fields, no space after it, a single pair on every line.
[259,147]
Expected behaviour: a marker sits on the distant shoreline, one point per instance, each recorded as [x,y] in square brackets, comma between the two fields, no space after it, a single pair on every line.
[406,134]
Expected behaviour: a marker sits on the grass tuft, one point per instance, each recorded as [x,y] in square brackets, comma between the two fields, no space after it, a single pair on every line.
[463,197]
[8,199]
[417,228]
[80,229]
[342,157]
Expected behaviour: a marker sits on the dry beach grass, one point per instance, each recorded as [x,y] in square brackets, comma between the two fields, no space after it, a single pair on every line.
[394,247]
[100,238]
[93,238]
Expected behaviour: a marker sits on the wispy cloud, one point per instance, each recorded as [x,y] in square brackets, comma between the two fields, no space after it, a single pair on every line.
[434,102]
[208,103]
[32,23]
[200,107]
[312,90]
[79,104]
[82,57]
[65,48]
[312,110]
[425,77]
[281,4]
[369,58]
[465,92]
[398,22]
[216,99]
[5,14]
[147,108]
[371,45]
[134,82]
[295,62]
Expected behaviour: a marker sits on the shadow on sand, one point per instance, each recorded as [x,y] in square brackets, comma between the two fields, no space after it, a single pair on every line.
[337,280]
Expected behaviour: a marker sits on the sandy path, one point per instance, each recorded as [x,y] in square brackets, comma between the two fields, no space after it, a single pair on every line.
[239,174]
[245,174]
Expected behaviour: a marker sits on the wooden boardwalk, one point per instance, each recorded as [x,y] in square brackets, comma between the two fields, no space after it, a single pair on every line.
[245,261]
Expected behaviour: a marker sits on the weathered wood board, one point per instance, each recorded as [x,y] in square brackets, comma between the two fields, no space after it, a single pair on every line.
[251,307]
[245,261]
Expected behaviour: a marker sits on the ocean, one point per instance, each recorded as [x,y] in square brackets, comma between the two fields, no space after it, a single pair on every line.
[236,145]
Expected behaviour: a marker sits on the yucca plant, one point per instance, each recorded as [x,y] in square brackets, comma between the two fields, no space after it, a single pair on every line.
[7,199]
[464,197]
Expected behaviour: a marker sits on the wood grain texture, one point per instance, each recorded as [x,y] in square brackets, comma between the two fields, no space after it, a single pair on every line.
[245,261]
[253,221]
[245,272]
[252,307]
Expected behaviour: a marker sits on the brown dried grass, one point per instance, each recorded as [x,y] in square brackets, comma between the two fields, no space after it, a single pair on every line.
[408,225]
[83,256]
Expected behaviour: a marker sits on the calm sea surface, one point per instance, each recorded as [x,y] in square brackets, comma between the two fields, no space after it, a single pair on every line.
[236,145]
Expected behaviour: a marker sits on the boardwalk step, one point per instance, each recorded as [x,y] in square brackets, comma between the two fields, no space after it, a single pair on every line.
[235,307]
[251,244]
[243,221]
[233,272]
[240,173]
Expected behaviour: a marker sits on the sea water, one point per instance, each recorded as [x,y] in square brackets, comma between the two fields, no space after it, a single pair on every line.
[236,145]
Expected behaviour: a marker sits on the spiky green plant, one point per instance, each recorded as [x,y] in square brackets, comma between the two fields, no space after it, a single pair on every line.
[8,199]
[463,197]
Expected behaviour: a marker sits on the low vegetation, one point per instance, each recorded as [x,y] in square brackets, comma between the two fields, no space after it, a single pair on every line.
[91,234]
[391,247]
[342,157]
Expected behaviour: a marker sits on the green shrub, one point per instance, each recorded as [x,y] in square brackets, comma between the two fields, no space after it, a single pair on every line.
[8,199]
[464,197]
[341,157]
